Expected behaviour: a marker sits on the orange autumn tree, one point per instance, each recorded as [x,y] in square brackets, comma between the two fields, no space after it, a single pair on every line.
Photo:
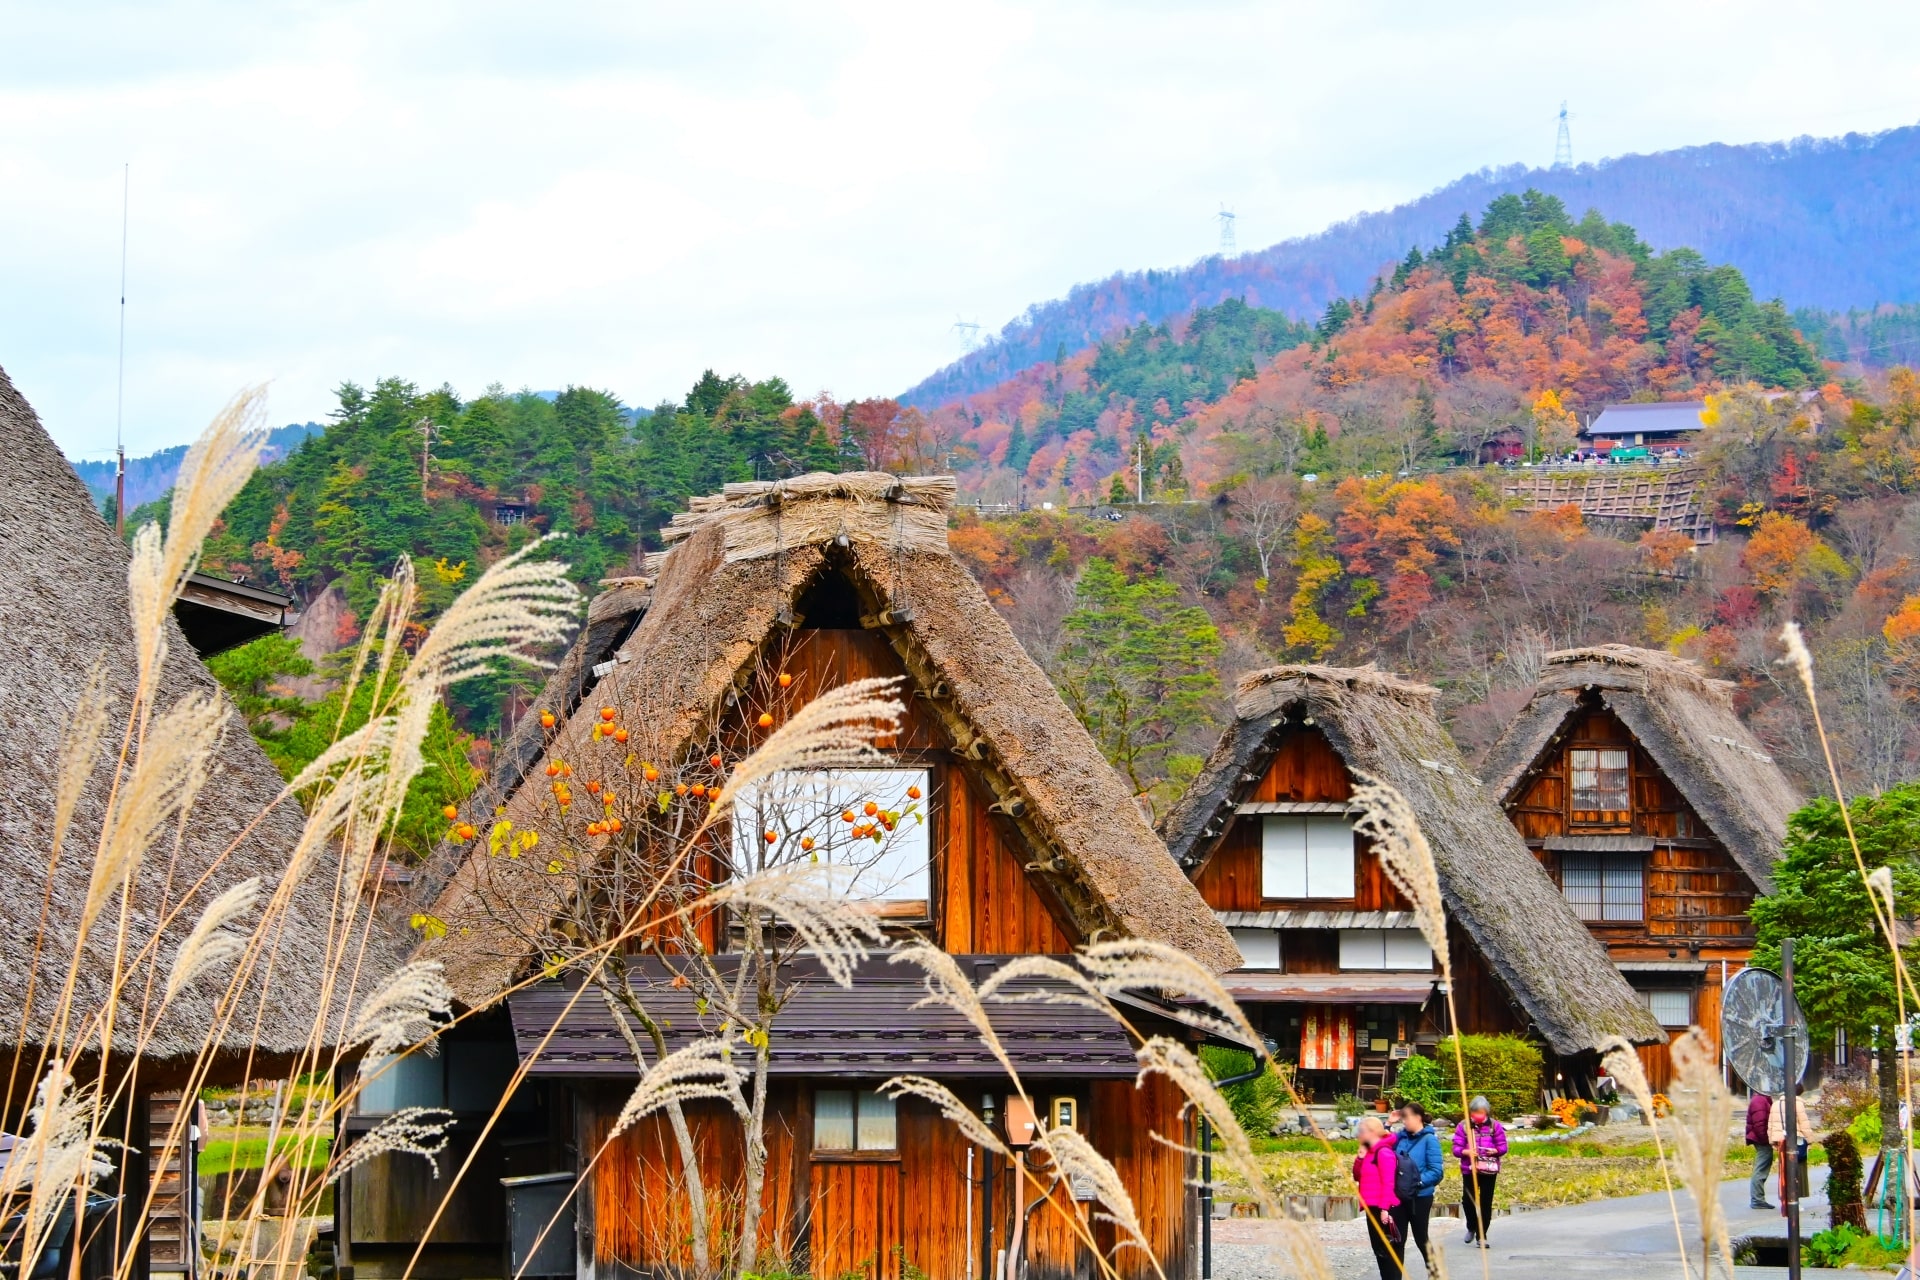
[1397,530]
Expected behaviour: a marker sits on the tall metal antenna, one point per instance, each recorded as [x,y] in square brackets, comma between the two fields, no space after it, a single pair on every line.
[120,388]
[1563,144]
[967,333]
[1229,245]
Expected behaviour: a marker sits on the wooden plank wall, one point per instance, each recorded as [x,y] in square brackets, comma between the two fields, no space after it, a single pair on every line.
[394,1196]
[1306,768]
[874,1217]
[985,901]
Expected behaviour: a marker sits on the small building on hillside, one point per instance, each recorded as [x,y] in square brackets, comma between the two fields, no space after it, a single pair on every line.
[1029,846]
[1661,427]
[1658,815]
[1337,973]
[65,614]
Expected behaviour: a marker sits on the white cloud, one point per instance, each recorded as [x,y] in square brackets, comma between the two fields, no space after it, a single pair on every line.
[623,194]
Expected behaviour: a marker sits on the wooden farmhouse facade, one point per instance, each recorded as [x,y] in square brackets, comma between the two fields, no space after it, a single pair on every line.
[1028,845]
[1657,813]
[1336,972]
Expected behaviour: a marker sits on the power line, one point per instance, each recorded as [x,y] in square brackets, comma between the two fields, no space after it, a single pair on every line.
[1563,143]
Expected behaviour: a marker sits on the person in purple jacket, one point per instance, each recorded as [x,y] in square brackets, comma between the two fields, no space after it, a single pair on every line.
[1376,1169]
[1480,1142]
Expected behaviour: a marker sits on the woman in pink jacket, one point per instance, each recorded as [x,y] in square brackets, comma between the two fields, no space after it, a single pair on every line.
[1375,1169]
[1480,1142]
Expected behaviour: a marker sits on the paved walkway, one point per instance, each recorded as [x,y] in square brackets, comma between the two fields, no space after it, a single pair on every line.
[1616,1238]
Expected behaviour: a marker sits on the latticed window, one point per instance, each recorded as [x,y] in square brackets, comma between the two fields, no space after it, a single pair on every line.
[1599,780]
[1603,886]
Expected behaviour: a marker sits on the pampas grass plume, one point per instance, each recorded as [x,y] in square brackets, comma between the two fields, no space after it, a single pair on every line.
[208,944]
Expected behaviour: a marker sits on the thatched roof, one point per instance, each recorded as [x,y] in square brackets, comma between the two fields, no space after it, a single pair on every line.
[1494,888]
[1685,720]
[739,564]
[64,608]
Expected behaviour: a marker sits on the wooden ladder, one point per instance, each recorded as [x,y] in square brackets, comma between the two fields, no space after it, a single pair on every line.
[172,1228]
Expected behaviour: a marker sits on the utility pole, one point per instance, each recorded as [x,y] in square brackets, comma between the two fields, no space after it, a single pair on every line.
[425,427]
[1563,144]
[1140,471]
[120,384]
[1790,1147]
[1229,243]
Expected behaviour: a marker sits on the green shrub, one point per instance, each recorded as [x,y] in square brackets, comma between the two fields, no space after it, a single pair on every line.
[1507,1069]
[1256,1103]
[1423,1081]
[1829,1248]
[1866,1127]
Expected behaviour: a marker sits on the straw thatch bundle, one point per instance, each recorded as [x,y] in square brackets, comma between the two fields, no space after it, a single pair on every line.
[722,592]
[1685,720]
[64,609]
[1493,887]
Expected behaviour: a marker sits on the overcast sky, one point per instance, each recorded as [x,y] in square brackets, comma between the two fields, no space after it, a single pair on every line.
[623,194]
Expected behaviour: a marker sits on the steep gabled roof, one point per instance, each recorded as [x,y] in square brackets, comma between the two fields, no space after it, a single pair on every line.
[63,609]
[739,564]
[1685,721]
[1494,888]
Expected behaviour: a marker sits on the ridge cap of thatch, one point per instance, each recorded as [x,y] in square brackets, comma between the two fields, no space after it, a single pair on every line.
[1252,699]
[1630,666]
[768,517]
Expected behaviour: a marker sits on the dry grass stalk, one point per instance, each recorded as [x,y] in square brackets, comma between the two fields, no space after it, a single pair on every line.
[165,779]
[834,731]
[419,1131]
[1076,1158]
[216,467]
[1300,1254]
[704,1069]
[209,945]
[402,1014]
[1703,1114]
[809,899]
[1621,1062]
[961,1116]
[1401,847]
[79,751]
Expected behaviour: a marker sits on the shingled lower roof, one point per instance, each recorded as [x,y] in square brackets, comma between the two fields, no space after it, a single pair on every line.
[1495,889]
[739,564]
[1685,720]
[63,609]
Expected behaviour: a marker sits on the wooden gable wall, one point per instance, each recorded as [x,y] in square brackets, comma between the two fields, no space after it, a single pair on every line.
[985,901]
[1305,769]
[1694,890]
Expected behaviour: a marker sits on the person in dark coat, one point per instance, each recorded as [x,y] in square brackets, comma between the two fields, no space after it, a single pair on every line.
[1419,1148]
[1759,1111]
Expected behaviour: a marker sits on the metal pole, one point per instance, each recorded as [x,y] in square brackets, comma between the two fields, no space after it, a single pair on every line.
[1790,1128]
[986,1198]
[1206,1199]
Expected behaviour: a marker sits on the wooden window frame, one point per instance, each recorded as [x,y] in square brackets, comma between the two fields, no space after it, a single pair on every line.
[854,1154]
[1601,860]
[1610,819]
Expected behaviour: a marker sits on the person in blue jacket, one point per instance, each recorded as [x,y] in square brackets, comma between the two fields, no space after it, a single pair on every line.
[1419,1150]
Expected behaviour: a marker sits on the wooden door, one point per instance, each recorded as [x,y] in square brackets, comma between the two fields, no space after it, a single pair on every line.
[856,1219]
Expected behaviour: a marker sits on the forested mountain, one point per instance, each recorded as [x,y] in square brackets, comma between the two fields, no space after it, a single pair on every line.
[151,475]
[1520,321]
[1826,223]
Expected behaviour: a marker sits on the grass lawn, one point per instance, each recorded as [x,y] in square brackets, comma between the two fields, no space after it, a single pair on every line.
[228,1155]
[1601,1164]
